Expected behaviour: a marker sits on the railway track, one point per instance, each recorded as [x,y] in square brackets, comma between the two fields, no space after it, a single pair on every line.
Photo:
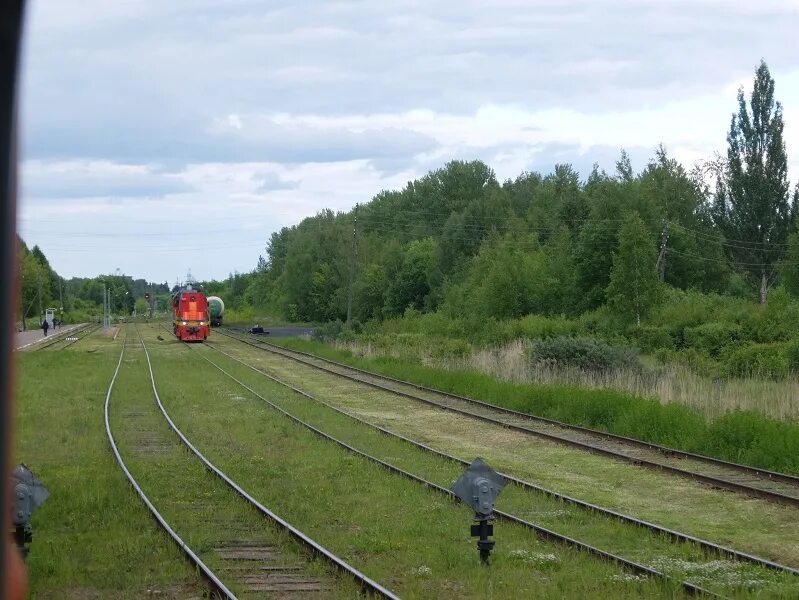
[769,485]
[676,536]
[542,532]
[248,556]
[65,339]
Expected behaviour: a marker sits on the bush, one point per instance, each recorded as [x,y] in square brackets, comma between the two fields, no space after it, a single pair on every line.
[750,438]
[537,326]
[328,331]
[792,355]
[651,338]
[697,361]
[242,316]
[712,338]
[758,360]
[585,353]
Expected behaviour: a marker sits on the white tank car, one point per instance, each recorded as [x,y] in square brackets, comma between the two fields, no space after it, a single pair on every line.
[216,310]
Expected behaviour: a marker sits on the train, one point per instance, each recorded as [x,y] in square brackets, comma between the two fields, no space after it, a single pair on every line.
[216,310]
[190,320]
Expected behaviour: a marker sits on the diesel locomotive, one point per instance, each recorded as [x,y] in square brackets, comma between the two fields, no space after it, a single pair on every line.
[190,315]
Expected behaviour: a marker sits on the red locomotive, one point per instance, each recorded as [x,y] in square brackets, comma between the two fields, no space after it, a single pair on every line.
[190,315]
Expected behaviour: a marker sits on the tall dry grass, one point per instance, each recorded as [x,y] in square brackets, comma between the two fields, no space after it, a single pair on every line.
[669,383]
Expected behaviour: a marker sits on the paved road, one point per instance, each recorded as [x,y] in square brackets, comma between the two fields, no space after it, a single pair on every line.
[283,331]
[24,339]
[287,331]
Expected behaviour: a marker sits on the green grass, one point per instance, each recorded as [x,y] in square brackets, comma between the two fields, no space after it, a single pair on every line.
[412,539]
[742,436]
[756,526]
[681,561]
[203,510]
[93,537]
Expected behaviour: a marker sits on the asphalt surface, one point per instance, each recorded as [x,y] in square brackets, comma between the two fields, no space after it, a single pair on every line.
[286,331]
[23,339]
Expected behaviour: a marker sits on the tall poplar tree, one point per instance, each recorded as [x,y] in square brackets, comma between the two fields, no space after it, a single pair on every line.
[752,198]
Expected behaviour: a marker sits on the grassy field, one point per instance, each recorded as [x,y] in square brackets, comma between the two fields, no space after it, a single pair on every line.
[92,538]
[672,383]
[205,512]
[405,536]
[412,539]
[669,383]
[741,436]
[679,560]
[727,518]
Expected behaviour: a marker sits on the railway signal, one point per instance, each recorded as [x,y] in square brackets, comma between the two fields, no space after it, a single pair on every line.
[479,487]
[29,494]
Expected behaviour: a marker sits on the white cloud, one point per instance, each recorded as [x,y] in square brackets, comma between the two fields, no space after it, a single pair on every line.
[164,118]
[81,178]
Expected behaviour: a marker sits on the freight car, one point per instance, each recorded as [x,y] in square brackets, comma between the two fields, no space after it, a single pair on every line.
[216,310]
[190,315]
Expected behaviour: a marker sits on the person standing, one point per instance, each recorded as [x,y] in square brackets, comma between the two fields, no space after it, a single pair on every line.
[45,326]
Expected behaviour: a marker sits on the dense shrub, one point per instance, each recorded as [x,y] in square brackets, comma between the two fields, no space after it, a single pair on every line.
[243,316]
[712,338]
[585,353]
[328,331]
[758,360]
[750,438]
[777,321]
[537,326]
[697,361]
[651,338]
[792,355]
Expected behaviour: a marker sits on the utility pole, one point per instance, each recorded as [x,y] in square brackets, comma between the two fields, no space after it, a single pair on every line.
[61,300]
[105,308]
[41,310]
[352,263]
[664,240]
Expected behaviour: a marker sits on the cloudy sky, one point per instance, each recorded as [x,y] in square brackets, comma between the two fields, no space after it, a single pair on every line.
[161,136]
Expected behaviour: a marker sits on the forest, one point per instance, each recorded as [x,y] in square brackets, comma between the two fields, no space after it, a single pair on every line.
[661,304]
[699,266]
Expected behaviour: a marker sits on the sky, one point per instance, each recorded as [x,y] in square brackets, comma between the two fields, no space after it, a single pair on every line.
[161,137]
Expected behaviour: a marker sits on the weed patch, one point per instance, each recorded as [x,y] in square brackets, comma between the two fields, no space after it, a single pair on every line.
[774,447]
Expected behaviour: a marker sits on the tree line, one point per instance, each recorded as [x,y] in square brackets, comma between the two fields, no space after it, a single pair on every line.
[77,299]
[460,241]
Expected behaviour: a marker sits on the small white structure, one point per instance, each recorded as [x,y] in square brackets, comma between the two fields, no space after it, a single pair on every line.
[49,315]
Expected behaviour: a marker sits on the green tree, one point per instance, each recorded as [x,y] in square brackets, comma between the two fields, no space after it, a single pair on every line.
[634,288]
[33,279]
[789,268]
[370,291]
[141,306]
[414,281]
[752,197]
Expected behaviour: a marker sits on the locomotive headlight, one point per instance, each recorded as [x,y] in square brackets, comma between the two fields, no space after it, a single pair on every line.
[183,323]
[202,322]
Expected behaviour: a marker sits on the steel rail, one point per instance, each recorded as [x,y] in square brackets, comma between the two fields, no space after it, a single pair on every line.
[665,450]
[675,535]
[367,584]
[61,336]
[540,531]
[212,578]
[85,333]
[651,464]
